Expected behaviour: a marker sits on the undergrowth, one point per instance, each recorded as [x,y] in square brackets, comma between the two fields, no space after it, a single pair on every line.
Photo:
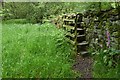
[106,63]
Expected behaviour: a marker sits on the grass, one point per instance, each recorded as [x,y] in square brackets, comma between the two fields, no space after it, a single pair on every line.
[35,51]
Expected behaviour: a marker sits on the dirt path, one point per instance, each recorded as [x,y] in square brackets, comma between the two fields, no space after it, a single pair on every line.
[84,66]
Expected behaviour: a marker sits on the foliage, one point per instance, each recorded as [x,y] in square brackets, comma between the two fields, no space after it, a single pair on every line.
[16,21]
[15,10]
[32,51]
[106,60]
[36,11]
[106,64]
[33,11]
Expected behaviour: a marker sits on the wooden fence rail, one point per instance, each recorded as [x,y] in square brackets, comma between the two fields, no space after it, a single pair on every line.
[75,32]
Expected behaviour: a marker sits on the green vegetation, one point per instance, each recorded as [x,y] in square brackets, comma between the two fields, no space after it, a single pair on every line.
[35,51]
[16,21]
[35,12]
[106,64]
[32,48]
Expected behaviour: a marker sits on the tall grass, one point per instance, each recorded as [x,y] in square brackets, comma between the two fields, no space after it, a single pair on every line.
[35,51]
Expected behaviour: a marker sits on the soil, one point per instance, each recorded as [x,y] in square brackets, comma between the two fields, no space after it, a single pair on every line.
[84,66]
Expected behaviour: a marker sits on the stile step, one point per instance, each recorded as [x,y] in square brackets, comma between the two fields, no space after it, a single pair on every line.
[81,35]
[80,29]
[84,52]
[83,43]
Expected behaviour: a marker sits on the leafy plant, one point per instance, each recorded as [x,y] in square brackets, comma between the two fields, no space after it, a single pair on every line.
[106,63]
